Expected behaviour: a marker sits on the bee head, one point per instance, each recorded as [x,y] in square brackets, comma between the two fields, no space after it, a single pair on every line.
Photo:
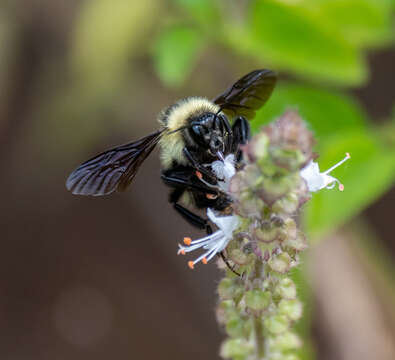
[211,132]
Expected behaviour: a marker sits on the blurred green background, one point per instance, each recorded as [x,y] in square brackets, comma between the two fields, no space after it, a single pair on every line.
[93,278]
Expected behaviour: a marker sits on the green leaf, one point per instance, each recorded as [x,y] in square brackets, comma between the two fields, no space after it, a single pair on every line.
[206,12]
[367,175]
[175,53]
[362,22]
[291,38]
[327,112]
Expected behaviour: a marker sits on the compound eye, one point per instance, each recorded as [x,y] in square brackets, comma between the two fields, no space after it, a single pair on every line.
[199,134]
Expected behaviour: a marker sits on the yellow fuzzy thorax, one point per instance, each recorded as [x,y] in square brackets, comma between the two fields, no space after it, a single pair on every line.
[175,117]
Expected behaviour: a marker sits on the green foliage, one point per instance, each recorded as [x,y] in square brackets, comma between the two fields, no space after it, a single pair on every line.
[323,40]
[363,23]
[292,38]
[326,111]
[204,12]
[175,52]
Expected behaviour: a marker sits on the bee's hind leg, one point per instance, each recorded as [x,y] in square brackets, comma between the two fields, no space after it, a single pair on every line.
[193,219]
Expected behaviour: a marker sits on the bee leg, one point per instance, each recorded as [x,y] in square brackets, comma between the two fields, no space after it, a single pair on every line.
[192,218]
[241,135]
[195,163]
[183,181]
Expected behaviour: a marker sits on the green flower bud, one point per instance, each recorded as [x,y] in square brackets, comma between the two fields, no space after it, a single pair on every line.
[236,348]
[252,176]
[284,342]
[298,243]
[286,289]
[249,205]
[258,147]
[276,324]
[266,233]
[282,356]
[235,327]
[227,289]
[225,309]
[257,299]
[287,204]
[293,309]
[290,227]
[292,160]
[239,257]
[290,357]
[280,263]
[275,187]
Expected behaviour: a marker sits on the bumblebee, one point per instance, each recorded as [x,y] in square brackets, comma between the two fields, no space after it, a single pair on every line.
[194,132]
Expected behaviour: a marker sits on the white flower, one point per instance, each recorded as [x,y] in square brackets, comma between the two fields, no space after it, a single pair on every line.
[316,180]
[214,243]
[224,170]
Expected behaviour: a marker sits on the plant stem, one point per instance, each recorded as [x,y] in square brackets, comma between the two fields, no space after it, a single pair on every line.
[258,328]
[259,339]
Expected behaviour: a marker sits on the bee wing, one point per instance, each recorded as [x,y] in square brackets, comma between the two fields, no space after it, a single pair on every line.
[247,94]
[113,169]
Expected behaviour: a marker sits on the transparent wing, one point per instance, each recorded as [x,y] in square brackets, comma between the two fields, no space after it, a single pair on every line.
[113,169]
[247,94]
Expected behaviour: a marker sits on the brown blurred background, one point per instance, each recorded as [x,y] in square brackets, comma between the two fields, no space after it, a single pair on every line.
[94,278]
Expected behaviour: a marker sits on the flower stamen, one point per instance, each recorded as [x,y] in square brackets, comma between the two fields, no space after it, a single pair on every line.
[338,164]
[213,243]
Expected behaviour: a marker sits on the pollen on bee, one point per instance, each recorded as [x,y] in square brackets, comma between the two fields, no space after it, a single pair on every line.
[199,174]
[191,264]
[187,241]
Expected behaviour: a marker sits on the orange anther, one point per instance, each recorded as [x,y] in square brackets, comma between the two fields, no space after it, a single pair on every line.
[187,241]
[211,196]
[181,251]
[204,261]
[191,264]
[198,174]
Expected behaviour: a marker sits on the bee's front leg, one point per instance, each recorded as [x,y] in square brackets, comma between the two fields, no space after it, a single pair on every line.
[199,167]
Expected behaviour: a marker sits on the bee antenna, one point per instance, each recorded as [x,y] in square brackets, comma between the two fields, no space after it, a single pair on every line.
[179,129]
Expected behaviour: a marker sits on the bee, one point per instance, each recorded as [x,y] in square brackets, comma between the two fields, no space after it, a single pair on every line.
[194,132]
